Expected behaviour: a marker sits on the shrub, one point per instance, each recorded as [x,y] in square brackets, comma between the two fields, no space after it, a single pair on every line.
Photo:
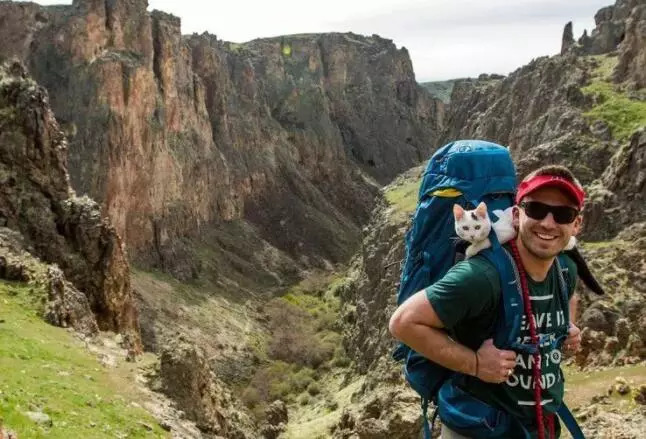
[293,338]
[304,399]
[313,389]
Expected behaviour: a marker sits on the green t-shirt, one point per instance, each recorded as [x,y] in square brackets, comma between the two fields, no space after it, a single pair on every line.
[466,300]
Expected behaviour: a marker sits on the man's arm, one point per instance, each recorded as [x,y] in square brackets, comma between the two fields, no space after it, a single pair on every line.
[418,326]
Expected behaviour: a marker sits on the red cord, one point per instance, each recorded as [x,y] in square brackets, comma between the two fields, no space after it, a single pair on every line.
[550,425]
[534,337]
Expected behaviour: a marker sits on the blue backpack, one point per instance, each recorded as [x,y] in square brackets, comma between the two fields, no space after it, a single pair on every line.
[463,172]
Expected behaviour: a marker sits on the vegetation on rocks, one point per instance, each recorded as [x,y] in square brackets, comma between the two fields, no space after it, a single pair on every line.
[613,105]
[304,345]
[403,194]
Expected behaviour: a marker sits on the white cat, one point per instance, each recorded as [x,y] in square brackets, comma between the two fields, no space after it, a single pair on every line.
[474,226]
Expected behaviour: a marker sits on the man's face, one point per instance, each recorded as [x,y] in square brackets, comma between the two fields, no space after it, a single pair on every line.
[545,238]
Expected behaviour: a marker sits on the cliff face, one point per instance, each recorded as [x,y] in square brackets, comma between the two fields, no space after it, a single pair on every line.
[620,26]
[632,51]
[538,103]
[552,110]
[57,227]
[174,135]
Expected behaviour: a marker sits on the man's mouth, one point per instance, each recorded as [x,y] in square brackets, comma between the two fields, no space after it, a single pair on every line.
[545,236]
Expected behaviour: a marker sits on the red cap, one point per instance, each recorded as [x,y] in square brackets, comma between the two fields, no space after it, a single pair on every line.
[539,181]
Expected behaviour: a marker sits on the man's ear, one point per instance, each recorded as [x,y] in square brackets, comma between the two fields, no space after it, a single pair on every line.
[515,217]
[577,225]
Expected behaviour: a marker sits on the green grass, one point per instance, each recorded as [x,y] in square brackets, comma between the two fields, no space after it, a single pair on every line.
[314,419]
[48,369]
[403,197]
[622,114]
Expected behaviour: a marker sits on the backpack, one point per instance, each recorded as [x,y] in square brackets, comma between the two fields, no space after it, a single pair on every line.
[463,172]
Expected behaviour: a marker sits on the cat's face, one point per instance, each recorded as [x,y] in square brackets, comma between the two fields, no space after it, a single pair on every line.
[472,225]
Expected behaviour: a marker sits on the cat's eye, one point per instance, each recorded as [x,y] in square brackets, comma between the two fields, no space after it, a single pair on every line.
[477,227]
[465,227]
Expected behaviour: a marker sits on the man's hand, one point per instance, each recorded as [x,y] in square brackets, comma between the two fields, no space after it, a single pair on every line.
[494,365]
[573,341]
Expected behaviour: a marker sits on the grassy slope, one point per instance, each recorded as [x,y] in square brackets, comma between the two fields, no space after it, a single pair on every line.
[613,105]
[49,369]
[313,421]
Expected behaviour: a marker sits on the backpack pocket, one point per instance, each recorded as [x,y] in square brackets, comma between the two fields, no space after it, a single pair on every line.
[424,376]
[471,417]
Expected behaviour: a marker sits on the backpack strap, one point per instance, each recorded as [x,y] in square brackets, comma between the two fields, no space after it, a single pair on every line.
[508,323]
[563,273]
[563,411]
[570,422]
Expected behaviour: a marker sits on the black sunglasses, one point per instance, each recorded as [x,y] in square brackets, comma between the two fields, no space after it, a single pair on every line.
[537,210]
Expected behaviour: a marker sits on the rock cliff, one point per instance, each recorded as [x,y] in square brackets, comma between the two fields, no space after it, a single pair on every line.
[622,26]
[174,135]
[52,224]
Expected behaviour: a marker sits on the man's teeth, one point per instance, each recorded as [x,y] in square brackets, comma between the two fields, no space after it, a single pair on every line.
[548,237]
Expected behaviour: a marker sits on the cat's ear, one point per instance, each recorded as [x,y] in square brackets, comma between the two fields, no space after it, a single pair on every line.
[481,210]
[458,212]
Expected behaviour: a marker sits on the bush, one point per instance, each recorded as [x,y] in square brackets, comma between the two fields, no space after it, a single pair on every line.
[341,358]
[313,389]
[293,337]
[304,399]
[250,397]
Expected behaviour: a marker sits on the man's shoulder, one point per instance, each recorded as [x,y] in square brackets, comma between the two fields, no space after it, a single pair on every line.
[570,265]
[476,269]
[570,270]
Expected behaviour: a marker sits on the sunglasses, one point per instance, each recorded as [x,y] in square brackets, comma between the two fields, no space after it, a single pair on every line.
[561,214]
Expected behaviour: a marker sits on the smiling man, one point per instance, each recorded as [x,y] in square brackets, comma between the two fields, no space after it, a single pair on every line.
[452,321]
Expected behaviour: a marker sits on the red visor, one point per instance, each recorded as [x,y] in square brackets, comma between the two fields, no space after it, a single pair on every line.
[526,187]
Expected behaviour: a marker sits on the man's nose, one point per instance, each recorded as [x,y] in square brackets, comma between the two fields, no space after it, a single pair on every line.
[548,221]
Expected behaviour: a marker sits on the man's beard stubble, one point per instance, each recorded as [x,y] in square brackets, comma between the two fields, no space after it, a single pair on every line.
[528,239]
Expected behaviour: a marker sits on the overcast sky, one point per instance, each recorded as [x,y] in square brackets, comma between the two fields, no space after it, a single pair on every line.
[446,38]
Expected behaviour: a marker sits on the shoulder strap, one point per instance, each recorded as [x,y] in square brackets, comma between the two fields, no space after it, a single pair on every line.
[563,274]
[570,422]
[509,321]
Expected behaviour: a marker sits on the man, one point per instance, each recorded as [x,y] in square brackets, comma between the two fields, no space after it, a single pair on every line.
[452,321]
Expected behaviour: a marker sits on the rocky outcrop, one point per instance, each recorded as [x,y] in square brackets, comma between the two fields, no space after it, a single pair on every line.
[536,111]
[63,304]
[614,324]
[175,135]
[632,50]
[620,27]
[568,38]
[609,32]
[617,198]
[187,379]
[57,227]
[370,293]
[388,410]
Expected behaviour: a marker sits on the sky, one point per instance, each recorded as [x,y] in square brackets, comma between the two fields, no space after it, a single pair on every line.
[446,39]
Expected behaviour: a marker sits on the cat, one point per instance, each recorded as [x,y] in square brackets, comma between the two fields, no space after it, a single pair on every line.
[474,226]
